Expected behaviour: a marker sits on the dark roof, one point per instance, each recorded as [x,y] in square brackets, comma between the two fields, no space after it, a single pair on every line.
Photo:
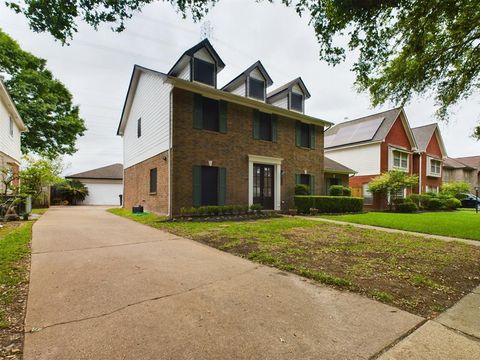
[190,52]
[330,165]
[471,161]
[241,77]
[455,164]
[371,128]
[113,172]
[288,86]
[423,134]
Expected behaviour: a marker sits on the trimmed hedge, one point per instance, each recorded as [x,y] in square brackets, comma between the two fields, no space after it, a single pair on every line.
[339,190]
[329,204]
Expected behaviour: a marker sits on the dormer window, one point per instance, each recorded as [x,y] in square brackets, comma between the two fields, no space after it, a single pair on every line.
[256,89]
[296,102]
[203,72]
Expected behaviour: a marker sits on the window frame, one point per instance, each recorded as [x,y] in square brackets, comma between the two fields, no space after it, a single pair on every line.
[208,119]
[153,175]
[400,160]
[199,61]
[265,118]
[431,161]
[301,101]
[366,190]
[303,127]
[252,79]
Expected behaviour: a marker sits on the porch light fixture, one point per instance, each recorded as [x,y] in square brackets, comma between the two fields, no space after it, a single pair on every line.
[305,172]
[210,162]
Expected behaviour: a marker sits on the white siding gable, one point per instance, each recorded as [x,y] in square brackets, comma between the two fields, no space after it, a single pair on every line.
[185,73]
[297,90]
[364,159]
[151,103]
[204,55]
[256,74]
[239,90]
[282,102]
[9,144]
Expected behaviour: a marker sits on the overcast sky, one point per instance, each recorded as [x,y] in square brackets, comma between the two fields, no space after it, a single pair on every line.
[96,68]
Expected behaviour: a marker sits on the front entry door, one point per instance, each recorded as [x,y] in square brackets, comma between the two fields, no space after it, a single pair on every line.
[263,192]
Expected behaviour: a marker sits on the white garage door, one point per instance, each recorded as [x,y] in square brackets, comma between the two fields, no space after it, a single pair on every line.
[103,194]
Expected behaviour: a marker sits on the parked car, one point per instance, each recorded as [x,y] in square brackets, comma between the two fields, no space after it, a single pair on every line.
[470,201]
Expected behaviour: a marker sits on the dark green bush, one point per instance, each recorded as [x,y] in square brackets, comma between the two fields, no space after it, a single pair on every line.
[339,190]
[302,189]
[415,198]
[434,204]
[452,203]
[329,204]
[256,207]
[407,207]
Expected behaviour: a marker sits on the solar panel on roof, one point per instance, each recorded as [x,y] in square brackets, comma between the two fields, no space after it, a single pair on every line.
[354,133]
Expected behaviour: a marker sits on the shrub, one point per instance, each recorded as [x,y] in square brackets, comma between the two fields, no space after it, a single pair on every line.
[302,189]
[415,198]
[329,204]
[434,204]
[456,189]
[256,207]
[407,207]
[339,190]
[452,203]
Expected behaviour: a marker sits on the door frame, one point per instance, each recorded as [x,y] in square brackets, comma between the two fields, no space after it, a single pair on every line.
[277,175]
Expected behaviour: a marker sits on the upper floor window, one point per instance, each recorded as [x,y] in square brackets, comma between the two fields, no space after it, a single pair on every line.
[400,160]
[209,114]
[296,102]
[264,126]
[139,127]
[435,167]
[256,89]
[203,71]
[11,126]
[305,135]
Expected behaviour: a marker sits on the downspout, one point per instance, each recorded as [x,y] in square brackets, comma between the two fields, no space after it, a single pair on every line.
[170,141]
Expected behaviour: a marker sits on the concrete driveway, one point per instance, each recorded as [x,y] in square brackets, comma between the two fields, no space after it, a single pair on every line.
[104,287]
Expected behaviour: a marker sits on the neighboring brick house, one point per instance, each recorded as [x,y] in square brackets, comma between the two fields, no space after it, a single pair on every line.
[428,161]
[336,174]
[465,169]
[11,127]
[187,143]
[373,145]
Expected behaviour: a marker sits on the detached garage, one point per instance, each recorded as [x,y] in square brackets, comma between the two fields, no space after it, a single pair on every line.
[105,184]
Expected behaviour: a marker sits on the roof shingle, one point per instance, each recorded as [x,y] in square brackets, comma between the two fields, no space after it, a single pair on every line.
[111,172]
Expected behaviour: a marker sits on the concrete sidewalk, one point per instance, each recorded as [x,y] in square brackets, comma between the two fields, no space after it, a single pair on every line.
[104,287]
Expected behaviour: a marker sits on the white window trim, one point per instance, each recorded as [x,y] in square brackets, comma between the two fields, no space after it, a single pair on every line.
[277,163]
[433,189]
[390,159]
[404,195]
[429,167]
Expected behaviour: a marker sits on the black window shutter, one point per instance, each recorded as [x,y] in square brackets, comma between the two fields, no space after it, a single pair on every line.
[274,127]
[223,109]
[312,136]
[197,185]
[256,124]
[222,185]
[298,133]
[197,111]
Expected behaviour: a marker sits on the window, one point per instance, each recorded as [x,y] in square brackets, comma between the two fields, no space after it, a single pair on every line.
[400,160]
[139,128]
[209,185]
[296,102]
[432,189]
[306,179]
[153,181]
[209,114]
[305,135]
[11,126]
[435,167]
[256,88]
[203,72]
[367,195]
[265,127]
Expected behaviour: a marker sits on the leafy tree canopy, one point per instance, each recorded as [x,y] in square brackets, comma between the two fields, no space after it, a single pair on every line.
[38,174]
[43,102]
[391,183]
[406,47]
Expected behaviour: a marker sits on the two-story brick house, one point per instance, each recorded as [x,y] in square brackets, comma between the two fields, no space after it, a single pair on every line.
[11,127]
[188,143]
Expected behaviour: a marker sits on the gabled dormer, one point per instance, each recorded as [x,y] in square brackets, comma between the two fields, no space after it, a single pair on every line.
[290,96]
[200,63]
[252,83]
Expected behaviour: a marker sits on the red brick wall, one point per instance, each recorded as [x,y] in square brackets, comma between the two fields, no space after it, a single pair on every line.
[434,150]
[136,185]
[396,137]
[197,147]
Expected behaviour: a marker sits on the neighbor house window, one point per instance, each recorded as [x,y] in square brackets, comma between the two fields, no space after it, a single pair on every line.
[400,160]
[139,128]
[264,126]
[11,126]
[435,167]
[209,185]
[256,89]
[367,195]
[209,114]
[153,180]
[296,102]
[305,135]
[203,72]
[432,189]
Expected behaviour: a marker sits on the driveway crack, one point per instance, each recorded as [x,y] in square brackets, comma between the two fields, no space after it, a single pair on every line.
[37,329]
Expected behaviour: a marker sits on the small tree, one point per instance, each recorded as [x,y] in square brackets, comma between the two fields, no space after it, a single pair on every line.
[391,182]
[456,189]
[38,174]
[7,178]
[73,191]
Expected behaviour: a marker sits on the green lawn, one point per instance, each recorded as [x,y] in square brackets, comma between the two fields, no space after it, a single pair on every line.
[461,224]
[423,276]
[14,251]
[39,211]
